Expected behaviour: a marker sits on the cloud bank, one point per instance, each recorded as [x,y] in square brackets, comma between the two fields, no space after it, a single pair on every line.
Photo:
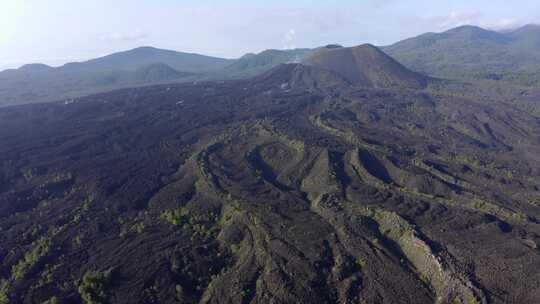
[136,35]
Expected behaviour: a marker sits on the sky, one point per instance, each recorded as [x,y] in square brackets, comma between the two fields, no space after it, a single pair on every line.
[59,31]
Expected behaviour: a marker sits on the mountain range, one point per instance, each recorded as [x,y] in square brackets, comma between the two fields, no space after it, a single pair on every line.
[467,52]
[141,66]
[470,52]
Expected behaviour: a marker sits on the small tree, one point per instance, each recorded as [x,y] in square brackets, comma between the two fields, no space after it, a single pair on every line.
[93,288]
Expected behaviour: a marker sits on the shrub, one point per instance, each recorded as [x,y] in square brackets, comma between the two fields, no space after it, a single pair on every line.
[53,300]
[360,261]
[93,288]
[4,299]
[39,249]
[176,217]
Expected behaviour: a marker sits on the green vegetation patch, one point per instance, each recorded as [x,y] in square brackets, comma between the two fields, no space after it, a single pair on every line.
[40,248]
[93,287]
[202,224]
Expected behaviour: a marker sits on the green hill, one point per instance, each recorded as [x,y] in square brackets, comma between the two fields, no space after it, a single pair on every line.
[253,64]
[39,84]
[136,58]
[474,53]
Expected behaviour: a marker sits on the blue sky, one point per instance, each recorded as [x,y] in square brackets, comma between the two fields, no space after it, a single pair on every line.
[58,31]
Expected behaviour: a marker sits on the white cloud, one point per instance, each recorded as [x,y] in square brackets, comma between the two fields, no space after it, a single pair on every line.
[504,24]
[289,39]
[122,37]
[455,19]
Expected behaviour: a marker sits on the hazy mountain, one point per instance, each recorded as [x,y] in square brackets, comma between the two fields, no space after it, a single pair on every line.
[467,52]
[472,52]
[35,67]
[253,64]
[136,58]
[526,37]
[37,83]
[141,66]
[365,65]
[157,72]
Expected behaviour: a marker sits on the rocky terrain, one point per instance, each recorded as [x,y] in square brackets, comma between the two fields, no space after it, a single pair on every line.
[349,179]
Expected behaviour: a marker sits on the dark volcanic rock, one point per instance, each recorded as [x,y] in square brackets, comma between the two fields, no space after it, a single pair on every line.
[303,185]
[366,65]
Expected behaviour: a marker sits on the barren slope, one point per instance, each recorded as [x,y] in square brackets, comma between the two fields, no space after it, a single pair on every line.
[366,65]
